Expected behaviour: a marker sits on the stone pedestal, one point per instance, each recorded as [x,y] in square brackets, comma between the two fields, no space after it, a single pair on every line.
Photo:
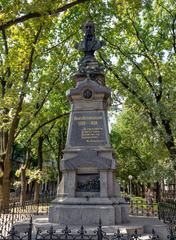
[88,190]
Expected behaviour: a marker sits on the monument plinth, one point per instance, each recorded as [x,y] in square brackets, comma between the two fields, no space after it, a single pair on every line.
[88,190]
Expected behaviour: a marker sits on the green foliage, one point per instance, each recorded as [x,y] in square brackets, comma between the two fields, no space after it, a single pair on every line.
[140,57]
[38,61]
[47,174]
[139,151]
[17,184]
[1,173]
[18,173]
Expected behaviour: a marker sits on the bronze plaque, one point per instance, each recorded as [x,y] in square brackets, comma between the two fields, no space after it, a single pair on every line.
[88,183]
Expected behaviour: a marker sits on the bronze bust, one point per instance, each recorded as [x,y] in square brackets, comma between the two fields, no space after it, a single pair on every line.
[90,44]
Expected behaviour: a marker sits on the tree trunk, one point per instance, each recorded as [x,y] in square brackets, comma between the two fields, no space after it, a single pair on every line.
[158,192]
[59,171]
[173,192]
[6,190]
[23,185]
[40,164]
[8,154]
[143,191]
[170,141]
[1,197]
[6,180]
[62,134]
[137,189]
[3,145]
[23,175]
[1,182]
[163,190]
[37,192]
[10,135]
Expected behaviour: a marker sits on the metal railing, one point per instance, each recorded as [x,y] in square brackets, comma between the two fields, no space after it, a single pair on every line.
[141,208]
[167,211]
[80,234]
[17,212]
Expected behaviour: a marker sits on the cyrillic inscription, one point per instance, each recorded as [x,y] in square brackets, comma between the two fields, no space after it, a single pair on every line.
[88,128]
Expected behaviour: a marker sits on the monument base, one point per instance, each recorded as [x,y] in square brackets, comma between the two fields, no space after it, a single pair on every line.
[81,211]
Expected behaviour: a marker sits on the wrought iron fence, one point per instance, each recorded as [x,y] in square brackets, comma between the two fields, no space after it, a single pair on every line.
[80,234]
[167,211]
[67,233]
[141,208]
[168,194]
[17,212]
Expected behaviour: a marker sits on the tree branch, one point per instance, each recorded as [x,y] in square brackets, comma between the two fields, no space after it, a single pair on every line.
[153,61]
[27,71]
[140,162]
[173,25]
[138,35]
[174,33]
[132,91]
[63,41]
[134,63]
[5,42]
[42,102]
[53,149]
[48,133]
[45,123]
[7,73]
[170,13]
[28,68]
[37,14]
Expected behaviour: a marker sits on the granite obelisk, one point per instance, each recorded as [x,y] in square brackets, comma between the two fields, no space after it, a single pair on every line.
[88,190]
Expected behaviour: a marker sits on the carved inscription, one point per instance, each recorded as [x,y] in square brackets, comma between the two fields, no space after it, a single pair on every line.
[88,128]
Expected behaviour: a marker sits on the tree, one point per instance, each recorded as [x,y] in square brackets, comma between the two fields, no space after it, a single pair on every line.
[139,151]
[141,42]
[140,57]
[27,41]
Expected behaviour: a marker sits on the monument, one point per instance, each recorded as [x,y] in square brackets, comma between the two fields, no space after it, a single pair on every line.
[88,190]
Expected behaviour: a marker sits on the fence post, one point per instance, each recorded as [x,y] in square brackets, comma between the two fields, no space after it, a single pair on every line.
[154,236]
[12,233]
[99,231]
[30,229]
[38,204]
[172,235]
[13,213]
[66,232]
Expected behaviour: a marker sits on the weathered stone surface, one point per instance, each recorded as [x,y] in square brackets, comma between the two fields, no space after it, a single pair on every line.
[82,214]
[103,184]
[87,158]
[88,189]
[97,91]
[88,152]
[118,215]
